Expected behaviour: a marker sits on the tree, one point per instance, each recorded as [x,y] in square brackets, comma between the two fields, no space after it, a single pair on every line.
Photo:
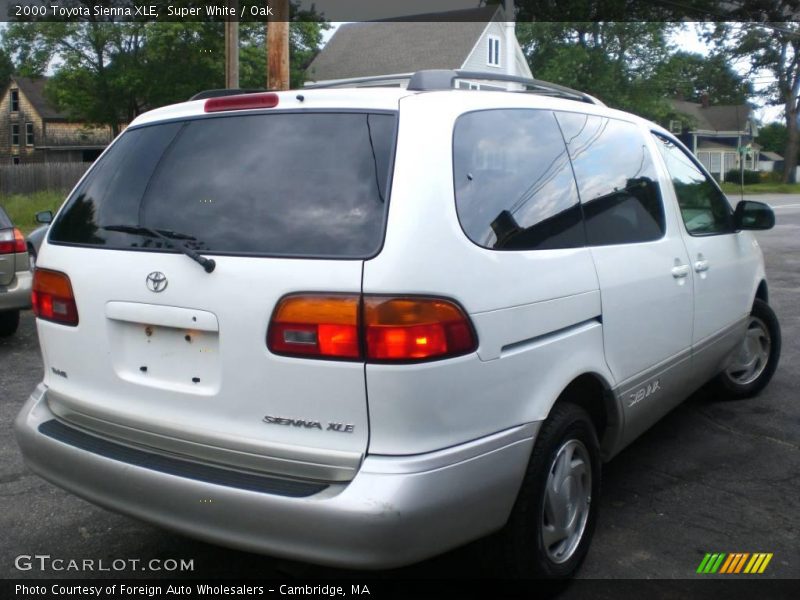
[91,81]
[616,62]
[109,72]
[6,69]
[689,76]
[772,48]
[772,137]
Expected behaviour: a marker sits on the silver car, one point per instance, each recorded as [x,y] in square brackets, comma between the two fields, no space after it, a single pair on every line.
[15,275]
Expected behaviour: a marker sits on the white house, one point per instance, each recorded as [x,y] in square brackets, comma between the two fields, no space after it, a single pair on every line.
[769,161]
[479,39]
[717,134]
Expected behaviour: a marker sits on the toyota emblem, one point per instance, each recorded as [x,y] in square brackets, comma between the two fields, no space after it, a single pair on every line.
[156,282]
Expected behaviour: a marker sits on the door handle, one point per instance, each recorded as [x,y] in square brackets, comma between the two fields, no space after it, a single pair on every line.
[701,265]
[680,271]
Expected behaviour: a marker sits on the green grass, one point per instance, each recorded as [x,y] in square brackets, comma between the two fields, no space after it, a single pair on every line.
[22,208]
[762,188]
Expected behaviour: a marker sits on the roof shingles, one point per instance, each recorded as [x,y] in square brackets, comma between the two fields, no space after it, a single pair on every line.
[384,48]
[34,92]
[732,117]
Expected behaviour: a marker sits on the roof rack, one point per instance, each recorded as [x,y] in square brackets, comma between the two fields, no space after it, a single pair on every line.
[443,79]
[349,82]
[225,92]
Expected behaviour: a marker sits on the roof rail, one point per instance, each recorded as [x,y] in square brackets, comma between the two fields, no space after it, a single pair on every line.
[443,79]
[225,92]
[349,82]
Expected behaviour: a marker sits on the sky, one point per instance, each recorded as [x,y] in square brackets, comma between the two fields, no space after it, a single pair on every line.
[689,39]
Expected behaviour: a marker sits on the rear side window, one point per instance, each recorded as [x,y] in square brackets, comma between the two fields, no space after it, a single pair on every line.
[280,184]
[616,180]
[4,220]
[513,182]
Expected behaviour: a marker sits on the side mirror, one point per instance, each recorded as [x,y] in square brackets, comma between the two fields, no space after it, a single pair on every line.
[753,215]
[45,216]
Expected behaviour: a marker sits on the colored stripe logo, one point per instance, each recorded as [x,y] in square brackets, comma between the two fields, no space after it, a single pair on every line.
[734,563]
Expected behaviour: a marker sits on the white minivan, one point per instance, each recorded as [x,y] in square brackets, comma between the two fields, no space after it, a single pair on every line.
[360,327]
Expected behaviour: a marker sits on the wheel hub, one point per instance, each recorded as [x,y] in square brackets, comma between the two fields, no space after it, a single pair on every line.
[753,354]
[567,501]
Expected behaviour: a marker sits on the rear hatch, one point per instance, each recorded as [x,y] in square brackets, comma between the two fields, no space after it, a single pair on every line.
[169,356]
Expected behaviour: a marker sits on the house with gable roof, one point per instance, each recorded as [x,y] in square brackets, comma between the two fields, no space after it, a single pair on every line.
[479,39]
[33,130]
[721,136]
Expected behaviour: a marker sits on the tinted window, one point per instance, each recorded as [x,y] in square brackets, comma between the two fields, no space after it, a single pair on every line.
[284,184]
[4,220]
[704,209]
[616,180]
[513,183]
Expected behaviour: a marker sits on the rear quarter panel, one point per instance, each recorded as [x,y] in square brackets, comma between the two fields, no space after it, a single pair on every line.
[536,313]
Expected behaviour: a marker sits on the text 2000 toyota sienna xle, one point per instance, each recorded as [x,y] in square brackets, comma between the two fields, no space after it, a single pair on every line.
[374,324]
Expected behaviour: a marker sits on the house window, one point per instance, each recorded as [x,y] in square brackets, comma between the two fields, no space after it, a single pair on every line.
[494,52]
[730,161]
[29,134]
[14,134]
[675,127]
[14,100]
[716,163]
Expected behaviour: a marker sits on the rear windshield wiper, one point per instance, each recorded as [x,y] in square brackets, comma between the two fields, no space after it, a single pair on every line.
[172,238]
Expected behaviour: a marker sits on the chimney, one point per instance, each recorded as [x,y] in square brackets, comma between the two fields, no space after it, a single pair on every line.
[704,99]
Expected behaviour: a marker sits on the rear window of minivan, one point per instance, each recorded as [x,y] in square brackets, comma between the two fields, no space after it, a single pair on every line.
[298,184]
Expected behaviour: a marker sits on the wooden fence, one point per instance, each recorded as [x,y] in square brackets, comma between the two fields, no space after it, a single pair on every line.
[39,177]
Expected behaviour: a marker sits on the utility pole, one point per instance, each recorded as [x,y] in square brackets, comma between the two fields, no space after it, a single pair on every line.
[278,46]
[232,46]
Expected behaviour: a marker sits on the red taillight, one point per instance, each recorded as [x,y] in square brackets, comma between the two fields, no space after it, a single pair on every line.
[52,297]
[408,329]
[12,241]
[316,325]
[393,329]
[242,102]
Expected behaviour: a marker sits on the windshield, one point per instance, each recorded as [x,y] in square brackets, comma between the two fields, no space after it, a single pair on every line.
[280,184]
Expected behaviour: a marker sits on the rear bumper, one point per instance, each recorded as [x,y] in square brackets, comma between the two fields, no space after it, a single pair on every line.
[17,295]
[396,511]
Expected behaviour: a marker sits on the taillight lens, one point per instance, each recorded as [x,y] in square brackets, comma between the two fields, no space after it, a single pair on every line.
[52,297]
[12,241]
[316,325]
[410,329]
[390,328]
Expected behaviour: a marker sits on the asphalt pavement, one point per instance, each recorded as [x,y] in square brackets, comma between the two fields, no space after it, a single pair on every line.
[712,476]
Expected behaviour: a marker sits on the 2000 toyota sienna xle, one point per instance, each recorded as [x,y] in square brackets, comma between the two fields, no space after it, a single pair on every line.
[370,325]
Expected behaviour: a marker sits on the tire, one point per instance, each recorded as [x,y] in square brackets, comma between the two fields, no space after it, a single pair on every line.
[755,362]
[9,321]
[567,431]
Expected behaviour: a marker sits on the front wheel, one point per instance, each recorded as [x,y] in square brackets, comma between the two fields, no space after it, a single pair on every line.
[756,359]
[552,522]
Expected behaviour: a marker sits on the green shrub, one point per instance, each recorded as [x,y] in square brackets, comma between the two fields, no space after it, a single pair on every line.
[771,176]
[735,176]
